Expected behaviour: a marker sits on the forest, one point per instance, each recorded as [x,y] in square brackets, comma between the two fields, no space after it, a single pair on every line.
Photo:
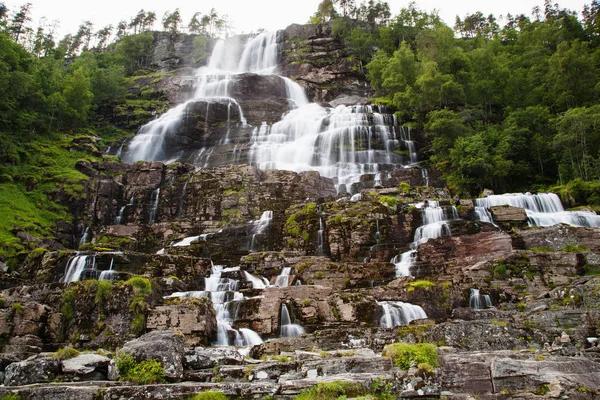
[506,103]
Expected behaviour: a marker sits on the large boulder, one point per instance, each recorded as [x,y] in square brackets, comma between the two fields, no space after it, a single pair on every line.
[194,318]
[204,358]
[164,346]
[36,369]
[86,367]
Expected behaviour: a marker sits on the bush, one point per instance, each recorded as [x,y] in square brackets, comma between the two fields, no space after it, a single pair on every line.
[143,373]
[103,292]
[402,354]
[141,286]
[66,353]
[420,284]
[331,391]
[389,201]
[500,271]
[209,396]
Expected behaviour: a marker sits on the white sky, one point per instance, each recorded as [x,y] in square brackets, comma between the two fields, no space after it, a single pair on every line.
[250,15]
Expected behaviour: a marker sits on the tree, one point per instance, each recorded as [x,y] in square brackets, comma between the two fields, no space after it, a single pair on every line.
[103,36]
[325,13]
[148,21]
[78,96]
[136,23]
[121,30]
[18,25]
[171,21]
[195,24]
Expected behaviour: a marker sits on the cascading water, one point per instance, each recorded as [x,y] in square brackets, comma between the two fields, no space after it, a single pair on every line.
[121,216]
[260,227]
[283,279]
[76,266]
[85,237]
[257,283]
[478,301]
[154,200]
[288,329]
[543,209]
[224,297]
[340,143]
[398,313]
[109,274]
[435,225]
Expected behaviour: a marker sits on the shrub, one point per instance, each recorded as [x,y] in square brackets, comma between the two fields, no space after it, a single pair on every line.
[141,286]
[10,396]
[420,284]
[18,307]
[389,201]
[209,396]
[500,271]
[143,373]
[66,353]
[402,354]
[332,391]
[103,291]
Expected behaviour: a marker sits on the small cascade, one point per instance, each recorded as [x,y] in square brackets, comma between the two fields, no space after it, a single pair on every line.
[435,225]
[260,227]
[478,301]
[425,176]
[85,237]
[119,219]
[287,328]
[377,180]
[320,232]
[543,209]
[185,242]
[484,215]
[356,197]
[180,206]
[398,313]
[283,279]
[75,266]
[257,283]
[109,274]
[154,199]
[377,234]
[225,298]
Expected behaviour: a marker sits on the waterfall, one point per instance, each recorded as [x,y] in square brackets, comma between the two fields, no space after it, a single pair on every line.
[484,215]
[398,313]
[287,328]
[435,225]
[478,301]
[182,200]
[260,226]
[108,275]
[356,197]
[225,298]
[341,143]
[257,283]
[283,279]
[543,209]
[75,267]
[85,237]
[154,199]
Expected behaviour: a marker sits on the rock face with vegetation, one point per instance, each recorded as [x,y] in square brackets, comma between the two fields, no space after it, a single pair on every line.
[217,279]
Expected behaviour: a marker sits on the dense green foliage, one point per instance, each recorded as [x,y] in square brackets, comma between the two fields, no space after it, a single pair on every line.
[508,108]
[144,373]
[403,354]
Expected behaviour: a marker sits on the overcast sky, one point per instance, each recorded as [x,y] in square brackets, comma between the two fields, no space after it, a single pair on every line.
[250,15]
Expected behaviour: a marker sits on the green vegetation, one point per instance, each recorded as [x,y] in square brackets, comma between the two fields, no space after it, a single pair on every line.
[143,373]
[66,353]
[573,248]
[402,354]
[332,391]
[142,288]
[421,284]
[210,395]
[18,307]
[542,249]
[389,201]
[103,292]
[10,396]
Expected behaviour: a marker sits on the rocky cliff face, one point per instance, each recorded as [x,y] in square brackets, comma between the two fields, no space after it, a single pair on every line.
[173,259]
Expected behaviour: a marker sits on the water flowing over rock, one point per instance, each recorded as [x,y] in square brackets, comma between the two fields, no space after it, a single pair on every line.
[235,116]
